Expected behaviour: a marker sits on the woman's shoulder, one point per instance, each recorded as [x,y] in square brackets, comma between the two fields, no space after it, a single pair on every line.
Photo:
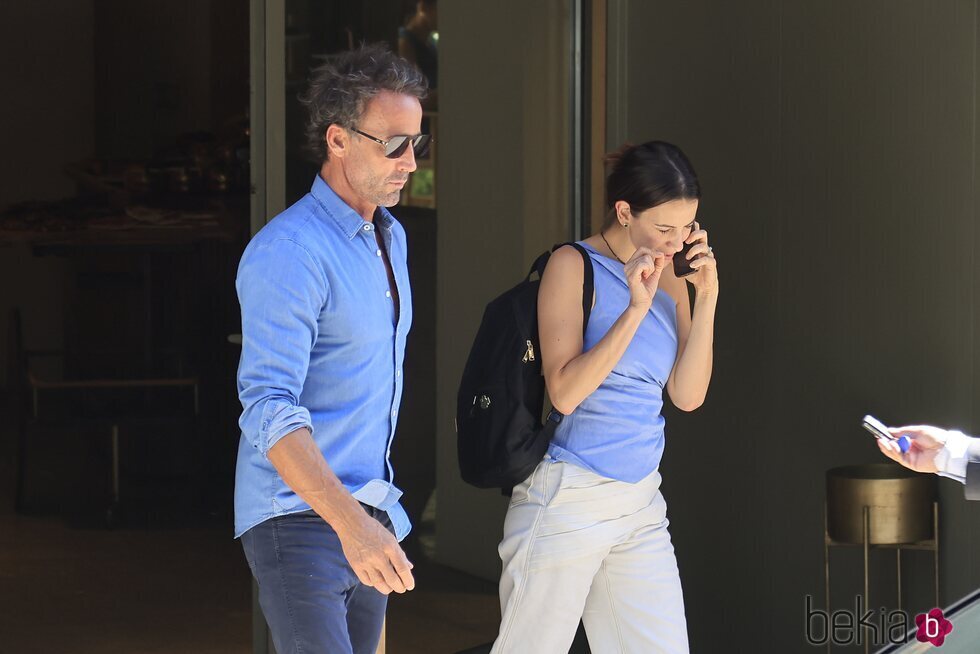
[566,261]
[565,271]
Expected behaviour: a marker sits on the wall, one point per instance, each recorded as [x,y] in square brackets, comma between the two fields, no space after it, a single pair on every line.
[836,147]
[503,106]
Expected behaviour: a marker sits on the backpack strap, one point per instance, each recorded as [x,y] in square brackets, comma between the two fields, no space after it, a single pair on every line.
[540,263]
[588,281]
[588,286]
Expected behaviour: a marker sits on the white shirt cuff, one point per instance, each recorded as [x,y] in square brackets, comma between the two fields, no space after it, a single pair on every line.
[952,459]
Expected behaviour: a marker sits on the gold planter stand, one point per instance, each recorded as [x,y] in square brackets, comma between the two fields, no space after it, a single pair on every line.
[880,506]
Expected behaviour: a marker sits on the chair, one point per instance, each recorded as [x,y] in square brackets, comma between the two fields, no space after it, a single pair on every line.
[51,401]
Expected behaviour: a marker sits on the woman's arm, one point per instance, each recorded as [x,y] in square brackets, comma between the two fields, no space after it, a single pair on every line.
[688,381]
[571,375]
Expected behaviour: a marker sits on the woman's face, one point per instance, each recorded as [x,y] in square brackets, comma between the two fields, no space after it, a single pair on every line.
[663,228]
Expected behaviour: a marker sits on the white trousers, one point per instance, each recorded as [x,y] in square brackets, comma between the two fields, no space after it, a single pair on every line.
[579,545]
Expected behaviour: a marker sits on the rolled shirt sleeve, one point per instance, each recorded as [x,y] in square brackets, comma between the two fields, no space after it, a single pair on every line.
[281,290]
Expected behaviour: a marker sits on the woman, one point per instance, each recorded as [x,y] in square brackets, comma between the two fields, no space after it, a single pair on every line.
[586,534]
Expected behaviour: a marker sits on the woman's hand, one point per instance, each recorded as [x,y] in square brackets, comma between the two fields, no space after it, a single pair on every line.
[705,275]
[643,276]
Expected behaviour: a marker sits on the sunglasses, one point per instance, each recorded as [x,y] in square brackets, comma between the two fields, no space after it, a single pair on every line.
[396,145]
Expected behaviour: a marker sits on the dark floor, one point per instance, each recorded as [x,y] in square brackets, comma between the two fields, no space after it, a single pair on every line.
[146,588]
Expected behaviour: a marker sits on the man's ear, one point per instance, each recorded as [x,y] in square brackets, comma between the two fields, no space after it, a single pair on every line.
[338,141]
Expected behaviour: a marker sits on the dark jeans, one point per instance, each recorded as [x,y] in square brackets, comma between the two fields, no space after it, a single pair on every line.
[310,596]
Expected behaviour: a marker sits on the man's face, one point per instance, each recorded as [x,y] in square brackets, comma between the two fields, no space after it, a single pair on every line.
[375,178]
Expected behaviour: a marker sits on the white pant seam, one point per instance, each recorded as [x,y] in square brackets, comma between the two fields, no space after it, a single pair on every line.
[505,631]
[612,607]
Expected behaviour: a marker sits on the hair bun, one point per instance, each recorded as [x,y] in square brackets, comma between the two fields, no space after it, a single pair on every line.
[613,158]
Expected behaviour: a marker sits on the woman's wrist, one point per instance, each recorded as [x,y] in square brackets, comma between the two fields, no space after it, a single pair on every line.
[635,313]
[706,295]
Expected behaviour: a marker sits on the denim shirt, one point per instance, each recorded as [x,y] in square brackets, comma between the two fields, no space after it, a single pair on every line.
[323,349]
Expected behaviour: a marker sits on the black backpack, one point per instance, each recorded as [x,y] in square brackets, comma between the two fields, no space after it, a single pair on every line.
[499,433]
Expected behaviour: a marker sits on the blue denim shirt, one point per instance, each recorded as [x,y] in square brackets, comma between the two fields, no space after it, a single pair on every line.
[323,349]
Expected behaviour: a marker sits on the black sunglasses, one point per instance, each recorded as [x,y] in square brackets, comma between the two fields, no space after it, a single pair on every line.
[396,145]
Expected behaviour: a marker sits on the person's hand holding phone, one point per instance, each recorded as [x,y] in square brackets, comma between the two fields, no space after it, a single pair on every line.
[925,443]
[697,262]
[643,272]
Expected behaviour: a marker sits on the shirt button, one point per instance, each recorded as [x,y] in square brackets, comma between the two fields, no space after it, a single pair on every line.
[398,373]
[394,413]
[378,253]
[367,228]
[387,293]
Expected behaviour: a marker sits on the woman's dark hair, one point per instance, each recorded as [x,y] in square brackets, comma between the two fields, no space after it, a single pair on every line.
[647,175]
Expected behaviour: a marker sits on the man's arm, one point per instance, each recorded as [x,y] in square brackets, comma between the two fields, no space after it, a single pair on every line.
[371,550]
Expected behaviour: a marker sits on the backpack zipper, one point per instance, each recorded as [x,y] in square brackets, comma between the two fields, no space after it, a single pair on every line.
[529,355]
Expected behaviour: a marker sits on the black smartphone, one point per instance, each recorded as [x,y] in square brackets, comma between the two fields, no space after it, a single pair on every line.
[682,267]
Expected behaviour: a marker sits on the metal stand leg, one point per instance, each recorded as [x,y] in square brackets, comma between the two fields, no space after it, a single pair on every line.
[935,553]
[898,561]
[115,464]
[866,537]
[826,571]
[112,513]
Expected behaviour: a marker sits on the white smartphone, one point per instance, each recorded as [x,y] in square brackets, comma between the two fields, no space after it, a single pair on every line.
[877,429]
[881,432]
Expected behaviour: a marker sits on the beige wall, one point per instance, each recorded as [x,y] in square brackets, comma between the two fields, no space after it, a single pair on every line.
[503,198]
[836,147]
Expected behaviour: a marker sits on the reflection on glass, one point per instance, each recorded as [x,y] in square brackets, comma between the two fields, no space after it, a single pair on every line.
[418,42]
[316,29]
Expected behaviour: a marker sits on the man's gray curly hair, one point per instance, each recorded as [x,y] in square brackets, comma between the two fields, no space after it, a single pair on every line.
[340,89]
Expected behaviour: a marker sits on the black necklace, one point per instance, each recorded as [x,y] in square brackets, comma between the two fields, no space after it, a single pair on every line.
[610,248]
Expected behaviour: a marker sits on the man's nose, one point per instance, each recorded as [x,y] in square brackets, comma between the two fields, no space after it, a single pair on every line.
[406,162]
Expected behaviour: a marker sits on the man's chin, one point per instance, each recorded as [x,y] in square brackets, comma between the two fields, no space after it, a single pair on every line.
[390,199]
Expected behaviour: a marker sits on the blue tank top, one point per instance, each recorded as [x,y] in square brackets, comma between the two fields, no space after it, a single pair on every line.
[617,431]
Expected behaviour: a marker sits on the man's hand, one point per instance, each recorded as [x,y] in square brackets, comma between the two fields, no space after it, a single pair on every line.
[925,442]
[375,556]
[371,550]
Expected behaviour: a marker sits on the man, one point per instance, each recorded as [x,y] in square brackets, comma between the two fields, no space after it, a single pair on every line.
[947,453]
[326,308]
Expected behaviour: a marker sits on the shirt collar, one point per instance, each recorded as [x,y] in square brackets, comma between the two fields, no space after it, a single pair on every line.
[349,221]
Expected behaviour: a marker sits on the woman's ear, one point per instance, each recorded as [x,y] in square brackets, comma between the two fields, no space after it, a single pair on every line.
[622,212]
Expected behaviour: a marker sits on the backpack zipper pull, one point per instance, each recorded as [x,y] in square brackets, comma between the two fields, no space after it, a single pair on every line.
[529,355]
